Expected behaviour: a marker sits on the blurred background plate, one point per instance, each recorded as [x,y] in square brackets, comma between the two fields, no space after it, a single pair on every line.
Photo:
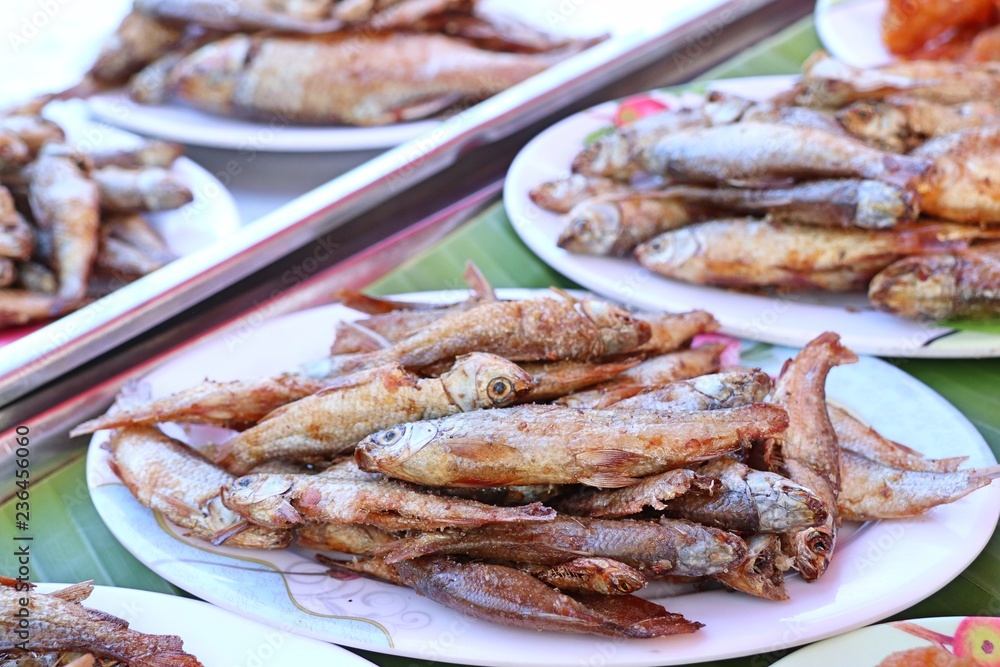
[214,636]
[976,640]
[851,30]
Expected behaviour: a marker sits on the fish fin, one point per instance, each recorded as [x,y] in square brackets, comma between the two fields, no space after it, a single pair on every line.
[97,614]
[609,458]
[75,593]
[220,537]
[335,385]
[564,294]
[371,305]
[366,339]
[761,182]
[480,451]
[477,282]
[609,480]
[992,472]
[179,505]
[14,583]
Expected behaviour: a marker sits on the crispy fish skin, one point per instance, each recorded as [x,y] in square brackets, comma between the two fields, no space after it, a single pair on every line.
[651,492]
[801,389]
[899,124]
[21,306]
[529,330]
[322,80]
[134,229]
[561,195]
[544,444]
[17,239]
[865,441]
[150,153]
[237,405]
[830,83]
[65,201]
[59,622]
[661,547]
[139,40]
[148,189]
[613,225]
[344,495]
[505,595]
[601,576]
[618,155]
[33,130]
[748,253]
[873,490]
[554,379]
[290,17]
[349,539]
[810,452]
[763,152]
[715,391]
[168,477]
[122,260]
[672,331]
[335,419]
[748,501]
[963,184]
[651,373]
[964,283]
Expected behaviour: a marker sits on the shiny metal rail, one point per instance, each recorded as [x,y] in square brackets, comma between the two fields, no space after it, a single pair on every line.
[362,225]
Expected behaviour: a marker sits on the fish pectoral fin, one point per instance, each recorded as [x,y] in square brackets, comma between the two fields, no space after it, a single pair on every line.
[609,480]
[179,505]
[220,537]
[479,451]
[338,384]
[75,593]
[606,464]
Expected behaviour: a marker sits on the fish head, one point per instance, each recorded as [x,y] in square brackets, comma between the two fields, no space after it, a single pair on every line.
[619,330]
[208,77]
[671,249]
[481,380]
[382,451]
[262,498]
[813,549]
[593,228]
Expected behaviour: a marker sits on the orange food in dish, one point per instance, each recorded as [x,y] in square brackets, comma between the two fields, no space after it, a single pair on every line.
[931,656]
[937,28]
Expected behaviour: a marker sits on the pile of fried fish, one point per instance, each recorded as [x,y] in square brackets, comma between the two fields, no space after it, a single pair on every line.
[71,217]
[353,62]
[882,180]
[533,462]
[64,633]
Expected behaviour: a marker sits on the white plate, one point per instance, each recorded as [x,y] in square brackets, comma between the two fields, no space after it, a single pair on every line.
[214,636]
[211,217]
[868,647]
[191,126]
[791,319]
[851,30]
[881,569]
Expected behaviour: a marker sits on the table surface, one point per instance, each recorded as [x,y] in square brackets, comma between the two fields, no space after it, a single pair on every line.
[76,545]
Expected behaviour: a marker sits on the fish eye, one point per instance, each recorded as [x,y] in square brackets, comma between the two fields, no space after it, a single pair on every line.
[624,587]
[390,436]
[499,389]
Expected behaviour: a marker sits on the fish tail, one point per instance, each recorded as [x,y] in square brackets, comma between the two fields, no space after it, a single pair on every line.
[991,473]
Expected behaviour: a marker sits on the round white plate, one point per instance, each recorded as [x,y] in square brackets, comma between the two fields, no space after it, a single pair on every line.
[214,636]
[868,647]
[792,319]
[879,570]
[851,30]
[211,217]
[191,126]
